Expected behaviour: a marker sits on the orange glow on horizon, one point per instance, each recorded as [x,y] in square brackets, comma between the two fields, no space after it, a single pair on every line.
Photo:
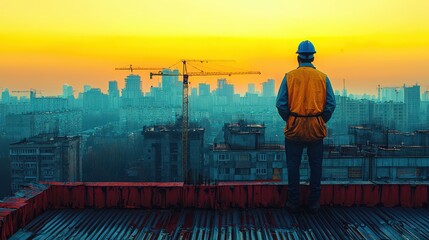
[43,46]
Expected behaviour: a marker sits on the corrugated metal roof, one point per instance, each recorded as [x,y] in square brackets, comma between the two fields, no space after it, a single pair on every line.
[266,223]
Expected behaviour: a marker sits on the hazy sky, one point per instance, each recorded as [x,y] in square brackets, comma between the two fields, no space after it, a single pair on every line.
[44,44]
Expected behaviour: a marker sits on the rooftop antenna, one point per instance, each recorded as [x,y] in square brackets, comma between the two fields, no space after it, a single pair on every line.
[378,90]
[344,88]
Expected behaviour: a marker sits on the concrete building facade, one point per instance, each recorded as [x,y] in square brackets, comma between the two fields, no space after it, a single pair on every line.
[162,151]
[45,158]
[245,156]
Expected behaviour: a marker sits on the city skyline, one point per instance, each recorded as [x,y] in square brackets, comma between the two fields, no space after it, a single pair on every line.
[45,45]
[386,93]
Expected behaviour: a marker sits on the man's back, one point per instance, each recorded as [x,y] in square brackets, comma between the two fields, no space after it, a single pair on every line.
[306,91]
[305,101]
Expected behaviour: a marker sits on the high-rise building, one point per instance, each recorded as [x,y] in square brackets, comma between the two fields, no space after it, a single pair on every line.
[50,104]
[394,94]
[86,88]
[170,82]
[225,89]
[412,100]
[113,88]
[133,87]
[94,100]
[26,125]
[113,95]
[251,88]
[204,89]
[425,96]
[4,111]
[268,88]
[427,117]
[337,92]
[391,115]
[162,151]
[67,91]
[194,92]
[350,112]
[45,158]
[5,96]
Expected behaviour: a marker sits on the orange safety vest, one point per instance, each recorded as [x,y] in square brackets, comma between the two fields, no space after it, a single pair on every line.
[306,88]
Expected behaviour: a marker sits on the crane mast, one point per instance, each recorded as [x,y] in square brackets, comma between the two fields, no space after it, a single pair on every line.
[185,123]
[185,102]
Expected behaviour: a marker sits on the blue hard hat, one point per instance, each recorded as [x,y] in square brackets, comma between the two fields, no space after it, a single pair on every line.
[306,50]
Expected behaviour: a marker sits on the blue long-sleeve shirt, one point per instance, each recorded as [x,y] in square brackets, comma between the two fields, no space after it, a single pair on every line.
[282,98]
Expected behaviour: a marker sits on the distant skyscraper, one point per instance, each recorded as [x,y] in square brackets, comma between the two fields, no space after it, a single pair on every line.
[425,96]
[337,92]
[171,84]
[412,100]
[113,95]
[221,83]
[225,89]
[67,91]
[268,88]
[5,96]
[204,89]
[394,94]
[344,88]
[113,88]
[86,88]
[94,100]
[251,88]
[194,92]
[391,115]
[133,87]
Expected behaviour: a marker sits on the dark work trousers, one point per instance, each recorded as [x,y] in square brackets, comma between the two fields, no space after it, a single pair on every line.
[293,158]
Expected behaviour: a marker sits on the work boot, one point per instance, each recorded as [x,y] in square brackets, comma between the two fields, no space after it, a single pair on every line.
[292,207]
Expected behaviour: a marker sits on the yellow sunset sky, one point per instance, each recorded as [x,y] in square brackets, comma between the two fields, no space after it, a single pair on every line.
[44,44]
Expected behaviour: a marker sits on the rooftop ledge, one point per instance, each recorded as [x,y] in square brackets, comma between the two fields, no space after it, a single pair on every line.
[18,211]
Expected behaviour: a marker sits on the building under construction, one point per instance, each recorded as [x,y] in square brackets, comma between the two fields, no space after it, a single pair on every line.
[162,151]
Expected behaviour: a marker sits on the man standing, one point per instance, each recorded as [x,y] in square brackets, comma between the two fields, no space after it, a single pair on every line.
[306,102]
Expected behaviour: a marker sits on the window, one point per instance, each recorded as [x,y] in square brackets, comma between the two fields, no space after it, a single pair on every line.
[262,157]
[277,157]
[223,157]
[261,171]
[355,172]
[48,172]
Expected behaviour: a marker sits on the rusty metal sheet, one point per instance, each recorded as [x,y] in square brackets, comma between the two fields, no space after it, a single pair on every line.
[257,223]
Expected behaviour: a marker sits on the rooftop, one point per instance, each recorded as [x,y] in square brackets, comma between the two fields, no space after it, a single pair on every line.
[236,210]
[44,139]
[259,223]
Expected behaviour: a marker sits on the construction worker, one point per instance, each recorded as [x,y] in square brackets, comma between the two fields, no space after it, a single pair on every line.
[306,102]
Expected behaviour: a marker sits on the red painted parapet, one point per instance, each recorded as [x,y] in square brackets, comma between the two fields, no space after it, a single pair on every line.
[227,195]
[18,211]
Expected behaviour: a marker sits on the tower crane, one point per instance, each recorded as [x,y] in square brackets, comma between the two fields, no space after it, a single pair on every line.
[185,125]
[131,68]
